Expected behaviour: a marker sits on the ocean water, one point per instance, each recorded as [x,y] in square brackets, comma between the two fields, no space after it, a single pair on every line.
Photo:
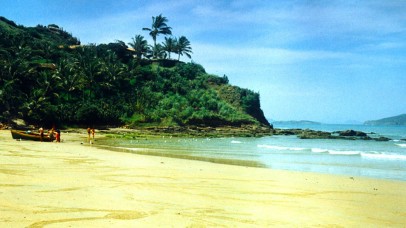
[386,160]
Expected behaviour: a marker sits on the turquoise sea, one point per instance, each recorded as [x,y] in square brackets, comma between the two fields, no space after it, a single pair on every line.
[373,159]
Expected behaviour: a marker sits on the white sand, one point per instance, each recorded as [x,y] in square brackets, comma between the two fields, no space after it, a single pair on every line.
[73,185]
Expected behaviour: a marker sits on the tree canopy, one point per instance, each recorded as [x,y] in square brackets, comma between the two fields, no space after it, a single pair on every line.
[47,77]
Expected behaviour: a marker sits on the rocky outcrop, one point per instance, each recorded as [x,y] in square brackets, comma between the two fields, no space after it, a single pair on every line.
[383,139]
[312,134]
[287,131]
[351,133]
[247,131]
[207,131]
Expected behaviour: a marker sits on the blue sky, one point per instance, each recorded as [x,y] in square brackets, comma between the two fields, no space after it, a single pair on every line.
[327,61]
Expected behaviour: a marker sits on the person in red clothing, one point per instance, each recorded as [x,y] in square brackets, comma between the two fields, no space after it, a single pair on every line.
[58,135]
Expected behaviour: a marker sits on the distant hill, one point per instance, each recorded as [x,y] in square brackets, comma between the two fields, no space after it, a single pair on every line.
[395,120]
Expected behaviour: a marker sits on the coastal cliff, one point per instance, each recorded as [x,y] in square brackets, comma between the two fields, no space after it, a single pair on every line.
[48,77]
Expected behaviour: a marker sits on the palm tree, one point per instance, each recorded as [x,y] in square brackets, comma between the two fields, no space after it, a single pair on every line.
[159,26]
[183,47]
[72,80]
[140,45]
[158,51]
[170,45]
[90,66]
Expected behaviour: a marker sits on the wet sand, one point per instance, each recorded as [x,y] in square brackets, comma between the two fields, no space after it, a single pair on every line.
[72,185]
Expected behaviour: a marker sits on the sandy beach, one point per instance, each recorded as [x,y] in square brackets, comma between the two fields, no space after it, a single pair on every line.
[70,184]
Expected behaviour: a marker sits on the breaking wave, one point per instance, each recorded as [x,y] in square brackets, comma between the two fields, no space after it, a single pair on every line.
[401,145]
[273,147]
[384,156]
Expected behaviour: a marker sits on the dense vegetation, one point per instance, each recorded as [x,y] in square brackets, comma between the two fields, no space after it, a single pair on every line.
[47,77]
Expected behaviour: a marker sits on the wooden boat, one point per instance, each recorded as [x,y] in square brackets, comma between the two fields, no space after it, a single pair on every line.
[28,135]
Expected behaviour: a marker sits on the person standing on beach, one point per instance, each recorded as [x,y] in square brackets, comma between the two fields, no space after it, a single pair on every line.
[41,134]
[58,136]
[93,131]
[51,133]
[88,134]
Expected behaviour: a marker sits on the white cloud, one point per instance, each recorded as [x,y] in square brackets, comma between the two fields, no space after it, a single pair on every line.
[261,55]
[338,21]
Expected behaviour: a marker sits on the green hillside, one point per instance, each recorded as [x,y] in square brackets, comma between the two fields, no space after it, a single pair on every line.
[47,77]
[395,120]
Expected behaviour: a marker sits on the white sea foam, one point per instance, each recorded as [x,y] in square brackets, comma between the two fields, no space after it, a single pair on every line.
[335,152]
[132,149]
[403,145]
[344,152]
[236,142]
[273,147]
[318,150]
[296,148]
[384,156]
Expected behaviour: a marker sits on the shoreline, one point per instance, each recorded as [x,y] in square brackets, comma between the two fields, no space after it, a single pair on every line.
[229,131]
[158,148]
[69,184]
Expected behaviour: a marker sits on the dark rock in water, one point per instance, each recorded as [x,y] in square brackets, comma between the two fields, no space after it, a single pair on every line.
[383,139]
[286,131]
[311,134]
[352,133]
[403,139]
